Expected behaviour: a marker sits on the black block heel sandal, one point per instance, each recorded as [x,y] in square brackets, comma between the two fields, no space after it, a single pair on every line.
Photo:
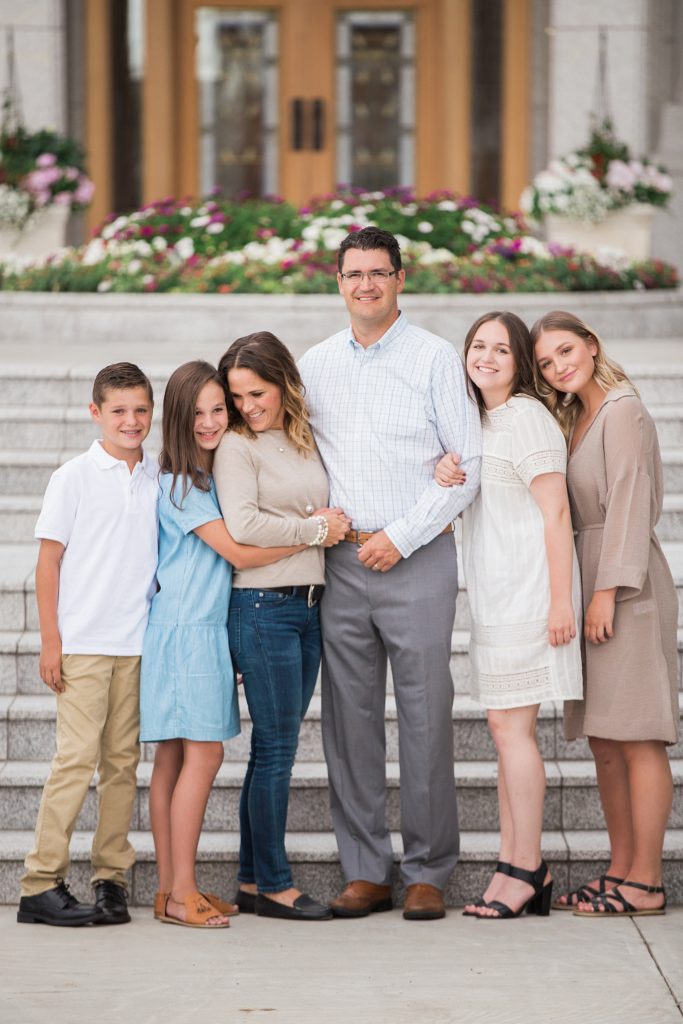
[502,868]
[539,901]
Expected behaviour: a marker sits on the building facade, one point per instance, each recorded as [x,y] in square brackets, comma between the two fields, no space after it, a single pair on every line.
[292,97]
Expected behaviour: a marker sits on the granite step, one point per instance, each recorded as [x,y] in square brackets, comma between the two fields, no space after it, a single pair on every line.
[19,512]
[574,857]
[59,388]
[27,428]
[19,654]
[27,732]
[18,611]
[68,382]
[571,798]
[28,472]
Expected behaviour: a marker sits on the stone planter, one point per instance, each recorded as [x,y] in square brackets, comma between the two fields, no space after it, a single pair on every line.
[46,235]
[628,229]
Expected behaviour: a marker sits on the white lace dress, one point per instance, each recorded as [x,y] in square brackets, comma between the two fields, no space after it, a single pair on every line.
[512,663]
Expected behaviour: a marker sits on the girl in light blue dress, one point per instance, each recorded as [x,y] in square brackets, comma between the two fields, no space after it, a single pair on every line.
[187,689]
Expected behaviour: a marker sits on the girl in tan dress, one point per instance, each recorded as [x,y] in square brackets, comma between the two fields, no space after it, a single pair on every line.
[630,708]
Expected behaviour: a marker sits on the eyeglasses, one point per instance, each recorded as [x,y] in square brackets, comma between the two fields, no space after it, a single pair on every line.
[378,276]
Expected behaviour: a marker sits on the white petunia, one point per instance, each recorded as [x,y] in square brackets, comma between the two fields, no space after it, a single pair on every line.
[184,247]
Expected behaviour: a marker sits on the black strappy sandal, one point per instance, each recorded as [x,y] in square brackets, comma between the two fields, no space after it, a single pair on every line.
[585,893]
[502,868]
[538,903]
[601,906]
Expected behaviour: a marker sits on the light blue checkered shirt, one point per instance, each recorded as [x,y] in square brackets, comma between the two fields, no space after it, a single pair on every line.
[382,418]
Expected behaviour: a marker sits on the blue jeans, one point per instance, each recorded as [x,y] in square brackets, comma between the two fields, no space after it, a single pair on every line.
[275,644]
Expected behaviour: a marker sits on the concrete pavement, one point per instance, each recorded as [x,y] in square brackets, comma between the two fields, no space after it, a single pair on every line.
[379,970]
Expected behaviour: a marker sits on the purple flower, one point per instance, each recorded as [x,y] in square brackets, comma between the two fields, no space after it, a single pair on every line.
[46,160]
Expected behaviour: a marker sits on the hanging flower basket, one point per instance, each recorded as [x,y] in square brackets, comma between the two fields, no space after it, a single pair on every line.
[599,197]
[42,178]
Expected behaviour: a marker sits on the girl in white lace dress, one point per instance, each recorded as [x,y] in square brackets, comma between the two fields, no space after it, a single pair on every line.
[524,591]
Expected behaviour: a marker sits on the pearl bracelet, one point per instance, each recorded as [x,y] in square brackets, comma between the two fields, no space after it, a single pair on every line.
[321,535]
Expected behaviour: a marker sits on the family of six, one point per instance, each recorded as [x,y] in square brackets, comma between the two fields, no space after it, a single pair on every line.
[374,466]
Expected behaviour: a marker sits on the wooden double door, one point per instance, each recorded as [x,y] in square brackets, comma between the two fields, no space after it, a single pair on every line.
[292,97]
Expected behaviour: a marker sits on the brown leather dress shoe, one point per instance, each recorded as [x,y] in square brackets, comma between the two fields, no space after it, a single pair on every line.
[423,903]
[361,898]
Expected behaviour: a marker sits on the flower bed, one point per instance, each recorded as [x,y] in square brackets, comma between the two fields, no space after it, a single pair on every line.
[450,244]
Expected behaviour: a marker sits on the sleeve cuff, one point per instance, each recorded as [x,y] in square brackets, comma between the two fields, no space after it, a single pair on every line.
[399,537]
[631,577]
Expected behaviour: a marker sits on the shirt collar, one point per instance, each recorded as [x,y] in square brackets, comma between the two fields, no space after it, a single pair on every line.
[106,461]
[399,325]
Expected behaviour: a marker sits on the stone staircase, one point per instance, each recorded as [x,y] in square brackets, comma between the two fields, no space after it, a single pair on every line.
[43,421]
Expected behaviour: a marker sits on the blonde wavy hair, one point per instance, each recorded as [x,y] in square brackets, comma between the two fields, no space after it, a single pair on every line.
[267,357]
[607,374]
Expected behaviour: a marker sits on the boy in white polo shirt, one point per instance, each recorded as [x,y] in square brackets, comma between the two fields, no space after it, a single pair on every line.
[94,582]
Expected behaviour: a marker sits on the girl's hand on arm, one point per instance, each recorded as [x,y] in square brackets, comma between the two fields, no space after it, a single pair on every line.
[241,556]
[448,472]
[599,617]
[549,491]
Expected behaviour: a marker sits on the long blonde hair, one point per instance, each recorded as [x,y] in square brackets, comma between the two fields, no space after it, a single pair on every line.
[606,373]
[267,357]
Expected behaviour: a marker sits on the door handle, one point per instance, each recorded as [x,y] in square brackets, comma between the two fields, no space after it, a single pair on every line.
[318,124]
[297,114]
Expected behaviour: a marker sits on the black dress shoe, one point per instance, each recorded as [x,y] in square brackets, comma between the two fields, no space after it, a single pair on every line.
[246,901]
[303,909]
[56,906]
[112,900]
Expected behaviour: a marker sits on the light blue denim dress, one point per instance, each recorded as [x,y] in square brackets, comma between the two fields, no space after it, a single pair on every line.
[187,686]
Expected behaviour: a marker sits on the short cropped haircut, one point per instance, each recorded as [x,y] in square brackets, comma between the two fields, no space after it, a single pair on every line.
[120,377]
[370,238]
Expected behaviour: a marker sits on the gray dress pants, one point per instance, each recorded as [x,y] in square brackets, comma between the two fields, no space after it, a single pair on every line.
[406,614]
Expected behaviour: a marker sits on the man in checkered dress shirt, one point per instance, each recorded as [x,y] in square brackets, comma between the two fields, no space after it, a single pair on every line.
[386,400]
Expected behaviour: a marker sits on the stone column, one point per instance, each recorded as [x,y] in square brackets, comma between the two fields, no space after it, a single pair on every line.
[39,48]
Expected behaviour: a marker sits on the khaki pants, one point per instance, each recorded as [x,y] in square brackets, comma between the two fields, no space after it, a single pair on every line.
[98,726]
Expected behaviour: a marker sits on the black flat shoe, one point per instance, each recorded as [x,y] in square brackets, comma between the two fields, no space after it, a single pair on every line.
[112,900]
[58,907]
[303,909]
[246,901]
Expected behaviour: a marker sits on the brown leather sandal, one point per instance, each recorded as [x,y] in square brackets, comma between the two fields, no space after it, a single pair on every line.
[198,913]
[222,906]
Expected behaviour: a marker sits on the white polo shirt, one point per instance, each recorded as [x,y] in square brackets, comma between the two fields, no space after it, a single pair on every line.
[107,519]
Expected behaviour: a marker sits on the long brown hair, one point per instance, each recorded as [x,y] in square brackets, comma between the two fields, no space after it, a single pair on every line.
[180,454]
[520,346]
[267,357]
[566,407]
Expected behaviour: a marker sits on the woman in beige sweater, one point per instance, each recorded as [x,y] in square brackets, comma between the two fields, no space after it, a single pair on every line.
[273,491]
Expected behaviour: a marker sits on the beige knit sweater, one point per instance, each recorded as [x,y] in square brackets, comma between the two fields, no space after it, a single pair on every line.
[267,490]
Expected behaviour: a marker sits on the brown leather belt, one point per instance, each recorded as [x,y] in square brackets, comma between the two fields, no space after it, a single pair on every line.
[361,536]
